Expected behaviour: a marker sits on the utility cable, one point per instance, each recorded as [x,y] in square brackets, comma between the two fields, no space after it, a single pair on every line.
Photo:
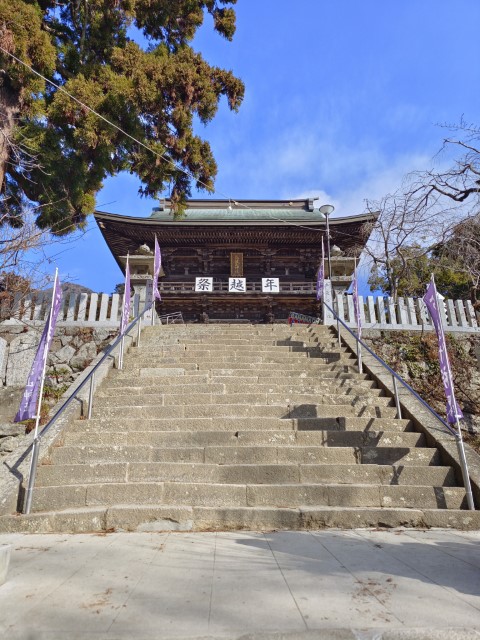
[146,146]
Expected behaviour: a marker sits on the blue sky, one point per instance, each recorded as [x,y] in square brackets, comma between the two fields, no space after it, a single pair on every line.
[343,98]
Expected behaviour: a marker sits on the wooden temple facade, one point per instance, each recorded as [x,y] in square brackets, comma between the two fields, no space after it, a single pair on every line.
[271,248]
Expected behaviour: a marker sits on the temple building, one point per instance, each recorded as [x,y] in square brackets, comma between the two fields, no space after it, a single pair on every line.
[233,260]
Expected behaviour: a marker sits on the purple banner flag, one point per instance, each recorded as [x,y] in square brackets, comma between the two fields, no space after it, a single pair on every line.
[126,301]
[321,277]
[356,303]
[156,271]
[29,403]
[431,300]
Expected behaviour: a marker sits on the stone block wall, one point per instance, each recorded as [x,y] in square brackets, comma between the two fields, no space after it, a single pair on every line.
[72,349]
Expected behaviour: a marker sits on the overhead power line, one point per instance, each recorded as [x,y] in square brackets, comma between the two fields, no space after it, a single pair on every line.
[144,145]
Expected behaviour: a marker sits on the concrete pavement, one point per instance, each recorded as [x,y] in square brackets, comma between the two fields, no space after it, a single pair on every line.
[358,584]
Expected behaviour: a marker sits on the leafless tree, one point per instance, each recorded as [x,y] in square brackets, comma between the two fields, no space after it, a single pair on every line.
[437,210]
[463,247]
[461,181]
[26,257]
[405,220]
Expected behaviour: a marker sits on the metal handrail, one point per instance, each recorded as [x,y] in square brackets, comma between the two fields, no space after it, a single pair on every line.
[89,378]
[396,377]
[171,318]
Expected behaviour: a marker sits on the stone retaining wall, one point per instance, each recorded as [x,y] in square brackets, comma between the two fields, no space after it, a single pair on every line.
[72,349]
[415,358]
[71,352]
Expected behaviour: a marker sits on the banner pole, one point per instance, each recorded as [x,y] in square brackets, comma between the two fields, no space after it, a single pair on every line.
[359,357]
[453,410]
[459,437]
[45,353]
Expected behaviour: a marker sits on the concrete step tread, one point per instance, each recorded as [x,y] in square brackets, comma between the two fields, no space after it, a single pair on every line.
[248,346]
[324,437]
[248,494]
[278,407]
[245,362]
[236,391]
[234,424]
[247,454]
[91,470]
[254,355]
[237,368]
[234,446]
[226,384]
[150,375]
[274,485]
[216,454]
[160,399]
[238,473]
[260,411]
[167,518]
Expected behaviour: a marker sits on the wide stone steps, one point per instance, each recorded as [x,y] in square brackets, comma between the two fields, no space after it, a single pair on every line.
[160,399]
[197,363]
[248,495]
[227,386]
[312,365]
[219,348]
[238,330]
[308,410]
[242,427]
[226,368]
[248,346]
[236,424]
[173,375]
[118,472]
[150,517]
[195,438]
[246,454]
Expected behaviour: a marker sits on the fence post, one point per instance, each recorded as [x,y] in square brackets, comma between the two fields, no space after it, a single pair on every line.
[328,318]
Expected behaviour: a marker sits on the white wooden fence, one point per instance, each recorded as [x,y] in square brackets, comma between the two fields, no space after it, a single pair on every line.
[406,314]
[377,313]
[77,308]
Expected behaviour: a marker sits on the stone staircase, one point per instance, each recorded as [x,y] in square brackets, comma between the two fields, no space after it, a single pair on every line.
[217,427]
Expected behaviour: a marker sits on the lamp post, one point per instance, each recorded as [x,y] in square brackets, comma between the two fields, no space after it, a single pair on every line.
[326,210]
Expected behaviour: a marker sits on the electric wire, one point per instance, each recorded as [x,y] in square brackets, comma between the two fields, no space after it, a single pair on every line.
[149,148]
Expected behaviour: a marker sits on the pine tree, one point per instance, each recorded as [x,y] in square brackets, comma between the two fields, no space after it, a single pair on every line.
[54,153]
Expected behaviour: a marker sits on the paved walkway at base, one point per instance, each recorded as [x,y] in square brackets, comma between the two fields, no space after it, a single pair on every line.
[366,585]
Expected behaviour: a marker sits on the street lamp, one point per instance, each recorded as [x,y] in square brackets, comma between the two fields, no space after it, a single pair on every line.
[326,210]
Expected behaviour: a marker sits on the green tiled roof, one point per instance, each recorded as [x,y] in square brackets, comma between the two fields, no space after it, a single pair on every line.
[242,214]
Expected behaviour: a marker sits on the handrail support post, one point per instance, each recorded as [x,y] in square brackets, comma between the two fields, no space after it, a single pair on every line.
[397,399]
[90,396]
[31,476]
[120,355]
[463,463]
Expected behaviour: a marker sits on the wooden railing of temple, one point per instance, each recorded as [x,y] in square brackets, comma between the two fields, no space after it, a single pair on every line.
[90,309]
